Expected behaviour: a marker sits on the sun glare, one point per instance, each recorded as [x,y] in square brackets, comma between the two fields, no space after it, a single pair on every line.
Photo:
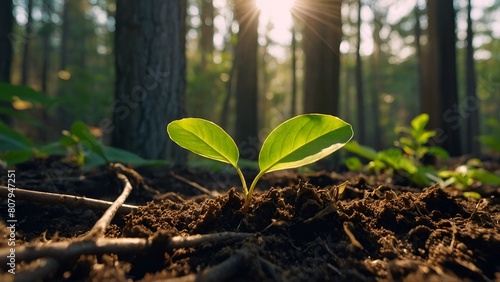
[276,11]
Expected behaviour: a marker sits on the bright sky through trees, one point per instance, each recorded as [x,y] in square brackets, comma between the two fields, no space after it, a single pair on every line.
[276,15]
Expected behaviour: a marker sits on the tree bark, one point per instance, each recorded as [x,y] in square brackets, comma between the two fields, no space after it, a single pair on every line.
[65,36]
[442,101]
[418,48]
[6,23]
[150,77]
[207,31]
[46,32]
[471,102]
[360,101]
[377,78]
[322,36]
[246,79]
[293,106]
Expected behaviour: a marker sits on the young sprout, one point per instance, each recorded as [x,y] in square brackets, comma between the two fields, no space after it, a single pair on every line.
[299,141]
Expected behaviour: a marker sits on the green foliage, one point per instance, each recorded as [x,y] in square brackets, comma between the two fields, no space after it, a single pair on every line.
[353,164]
[78,143]
[465,175]
[414,139]
[404,160]
[297,142]
[23,98]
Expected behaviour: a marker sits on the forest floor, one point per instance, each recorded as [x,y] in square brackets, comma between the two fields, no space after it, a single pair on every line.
[297,229]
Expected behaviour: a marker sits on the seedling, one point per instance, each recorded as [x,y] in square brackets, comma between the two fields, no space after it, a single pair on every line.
[297,142]
[414,139]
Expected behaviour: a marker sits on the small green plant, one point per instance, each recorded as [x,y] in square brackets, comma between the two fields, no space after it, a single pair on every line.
[77,143]
[297,142]
[414,139]
[404,159]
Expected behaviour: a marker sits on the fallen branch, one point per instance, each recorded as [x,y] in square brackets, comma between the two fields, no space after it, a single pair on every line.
[100,226]
[66,249]
[69,200]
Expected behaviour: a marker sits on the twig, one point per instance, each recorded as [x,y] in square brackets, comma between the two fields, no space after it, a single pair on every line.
[65,249]
[100,226]
[70,200]
[196,185]
[132,174]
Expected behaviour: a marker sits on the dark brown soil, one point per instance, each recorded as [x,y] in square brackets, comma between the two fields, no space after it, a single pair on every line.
[375,231]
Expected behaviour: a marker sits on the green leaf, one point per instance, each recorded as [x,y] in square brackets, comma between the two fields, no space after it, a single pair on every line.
[204,138]
[81,131]
[419,122]
[9,91]
[353,164]
[16,156]
[363,151]
[484,176]
[303,140]
[13,140]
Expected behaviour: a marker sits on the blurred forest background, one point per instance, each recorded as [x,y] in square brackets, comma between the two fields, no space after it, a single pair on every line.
[249,65]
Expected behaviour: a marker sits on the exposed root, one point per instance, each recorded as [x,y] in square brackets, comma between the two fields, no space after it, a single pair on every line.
[101,225]
[73,248]
[69,200]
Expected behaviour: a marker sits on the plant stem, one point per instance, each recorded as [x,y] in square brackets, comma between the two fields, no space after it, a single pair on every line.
[243,181]
[248,196]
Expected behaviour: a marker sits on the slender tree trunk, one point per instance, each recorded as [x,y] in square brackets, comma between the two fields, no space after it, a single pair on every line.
[443,105]
[46,33]
[472,102]
[246,86]
[6,23]
[207,31]
[26,43]
[418,48]
[150,76]
[322,36]
[377,80]
[293,106]
[65,36]
[360,105]
[230,86]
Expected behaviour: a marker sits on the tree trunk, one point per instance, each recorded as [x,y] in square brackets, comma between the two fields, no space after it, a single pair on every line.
[246,79]
[150,77]
[442,106]
[360,99]
[293,105]
[418,48]
[322,36]
[46,32]
[65,36]
[26,43]
[472,102]
[376,68]
[207,31]
[6,23]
